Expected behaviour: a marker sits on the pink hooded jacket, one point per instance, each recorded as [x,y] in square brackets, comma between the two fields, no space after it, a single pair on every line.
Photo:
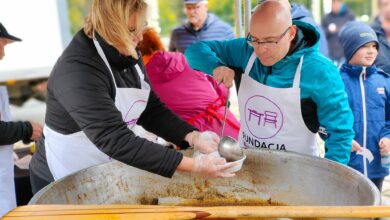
[193,95]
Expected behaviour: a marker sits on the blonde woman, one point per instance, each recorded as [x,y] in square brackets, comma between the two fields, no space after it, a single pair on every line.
[98,94]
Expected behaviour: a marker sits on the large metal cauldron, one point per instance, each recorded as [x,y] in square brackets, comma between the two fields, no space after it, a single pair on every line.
[270,176]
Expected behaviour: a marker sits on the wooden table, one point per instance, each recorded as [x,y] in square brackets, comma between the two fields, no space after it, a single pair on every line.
[118,212]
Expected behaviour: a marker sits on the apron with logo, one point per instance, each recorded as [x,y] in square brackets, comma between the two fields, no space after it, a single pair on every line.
[67,154]
[7,187]
[271,117]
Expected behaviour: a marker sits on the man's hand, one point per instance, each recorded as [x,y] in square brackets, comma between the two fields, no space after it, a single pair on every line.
[224,74]
[384,146]
[37,131]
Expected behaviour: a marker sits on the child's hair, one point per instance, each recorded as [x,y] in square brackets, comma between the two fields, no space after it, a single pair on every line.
[151,42]
[355,35]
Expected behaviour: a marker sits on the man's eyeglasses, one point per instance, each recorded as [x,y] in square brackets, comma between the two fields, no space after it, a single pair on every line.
[268,44]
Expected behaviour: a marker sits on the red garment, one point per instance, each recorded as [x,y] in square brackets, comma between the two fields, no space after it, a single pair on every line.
[193,95]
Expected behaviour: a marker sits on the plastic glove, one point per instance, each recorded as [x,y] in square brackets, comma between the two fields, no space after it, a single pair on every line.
[205,142]
[209,166]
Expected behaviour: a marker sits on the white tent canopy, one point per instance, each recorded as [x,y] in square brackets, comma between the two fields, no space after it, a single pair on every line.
[44,28]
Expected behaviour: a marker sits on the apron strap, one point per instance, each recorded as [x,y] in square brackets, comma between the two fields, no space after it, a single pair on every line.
[297,77]
[103,56]
[144,84]
[5,114]
[249,66]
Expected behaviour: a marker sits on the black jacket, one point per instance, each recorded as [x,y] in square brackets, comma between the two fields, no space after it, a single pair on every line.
[81,96]
[383,59]
[11,132]
[335,48]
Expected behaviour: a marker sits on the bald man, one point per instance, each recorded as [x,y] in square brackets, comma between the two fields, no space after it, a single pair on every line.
[300,13]
[287,89]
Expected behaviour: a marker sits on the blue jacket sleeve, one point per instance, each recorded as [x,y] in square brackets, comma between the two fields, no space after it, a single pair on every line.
[205,56]
[230,34]
[386,130]
[334,113]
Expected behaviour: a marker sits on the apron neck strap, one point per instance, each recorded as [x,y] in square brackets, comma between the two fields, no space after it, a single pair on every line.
[104,58]
[144,84]
[250,64]
[99,49]
[297,77]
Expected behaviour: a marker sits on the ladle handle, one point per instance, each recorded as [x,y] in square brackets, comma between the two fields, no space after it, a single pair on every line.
[224,114]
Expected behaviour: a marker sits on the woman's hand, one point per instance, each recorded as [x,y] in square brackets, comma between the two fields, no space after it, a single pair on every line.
[208,166]
[205,142]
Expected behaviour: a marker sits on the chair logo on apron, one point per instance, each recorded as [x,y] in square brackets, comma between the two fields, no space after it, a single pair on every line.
[135,109]
[263,117]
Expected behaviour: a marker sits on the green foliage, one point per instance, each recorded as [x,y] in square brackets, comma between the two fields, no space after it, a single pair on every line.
[172,11]
[359,7]
[77,11]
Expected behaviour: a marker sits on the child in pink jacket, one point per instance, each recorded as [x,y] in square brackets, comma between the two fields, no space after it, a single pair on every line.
[191,94]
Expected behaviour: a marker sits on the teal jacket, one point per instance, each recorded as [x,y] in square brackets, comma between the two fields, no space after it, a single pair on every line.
[320,84]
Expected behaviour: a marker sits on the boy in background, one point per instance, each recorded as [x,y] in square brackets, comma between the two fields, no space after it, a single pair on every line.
[368,89]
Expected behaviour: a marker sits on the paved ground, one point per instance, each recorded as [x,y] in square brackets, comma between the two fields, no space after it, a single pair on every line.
[386,192]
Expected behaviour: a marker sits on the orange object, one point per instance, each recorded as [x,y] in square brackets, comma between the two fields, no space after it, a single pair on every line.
[118,212]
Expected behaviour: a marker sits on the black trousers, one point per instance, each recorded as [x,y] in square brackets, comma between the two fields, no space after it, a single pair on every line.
[37,183]
[378,183]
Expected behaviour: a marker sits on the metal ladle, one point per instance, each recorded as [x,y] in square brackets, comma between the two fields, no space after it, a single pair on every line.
[228,147]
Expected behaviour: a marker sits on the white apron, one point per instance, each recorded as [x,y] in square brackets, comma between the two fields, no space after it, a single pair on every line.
[67,154]
[271,117]
[7,187]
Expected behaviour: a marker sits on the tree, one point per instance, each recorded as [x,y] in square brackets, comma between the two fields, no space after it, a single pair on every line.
[78,9]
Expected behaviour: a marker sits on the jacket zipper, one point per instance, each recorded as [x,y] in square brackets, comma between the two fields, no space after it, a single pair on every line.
[363,93]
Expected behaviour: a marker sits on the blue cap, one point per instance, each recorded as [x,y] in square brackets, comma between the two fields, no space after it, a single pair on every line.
[355,35]
[193,1]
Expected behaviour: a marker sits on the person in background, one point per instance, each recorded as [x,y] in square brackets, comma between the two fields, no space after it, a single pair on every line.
[195,96]
[287,88]
[98,93]
[10,132]
[300,13]
[368,89]
[150,44]
[332,24]
[201,25]
[381,27]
